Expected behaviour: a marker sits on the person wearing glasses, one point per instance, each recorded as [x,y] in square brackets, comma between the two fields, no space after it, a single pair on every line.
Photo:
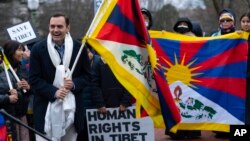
[227,22]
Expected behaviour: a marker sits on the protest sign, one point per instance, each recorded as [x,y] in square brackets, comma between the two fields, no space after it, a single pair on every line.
[119,126]
[23,33]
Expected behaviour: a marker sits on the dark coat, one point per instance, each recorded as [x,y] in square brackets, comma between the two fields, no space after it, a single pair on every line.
[108,91]
[42,73]
[20,108]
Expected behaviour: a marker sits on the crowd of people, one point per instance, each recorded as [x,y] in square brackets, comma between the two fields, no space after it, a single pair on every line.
[45,80]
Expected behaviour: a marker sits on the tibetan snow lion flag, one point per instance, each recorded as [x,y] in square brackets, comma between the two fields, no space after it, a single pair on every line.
[206,77]
[119,35]
[3,130]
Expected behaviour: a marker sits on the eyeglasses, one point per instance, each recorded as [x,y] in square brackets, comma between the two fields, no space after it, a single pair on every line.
[226,20]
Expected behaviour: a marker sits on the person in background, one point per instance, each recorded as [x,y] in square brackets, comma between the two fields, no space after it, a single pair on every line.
[245,22]
[87,102]
[147,18]
[227,25]
[227,22]
[108,92]
[49,57]
[245,26]
[15,101]
[184,26]
[197,29]
[26,64]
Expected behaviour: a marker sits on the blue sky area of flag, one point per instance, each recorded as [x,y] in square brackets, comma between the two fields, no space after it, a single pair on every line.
[214,68]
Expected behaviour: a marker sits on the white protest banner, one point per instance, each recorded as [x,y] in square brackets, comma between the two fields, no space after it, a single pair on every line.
[119,126]
[22,32]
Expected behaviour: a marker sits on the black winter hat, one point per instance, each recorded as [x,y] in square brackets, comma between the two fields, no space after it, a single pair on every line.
[197,30]
[183,19]
[147,12]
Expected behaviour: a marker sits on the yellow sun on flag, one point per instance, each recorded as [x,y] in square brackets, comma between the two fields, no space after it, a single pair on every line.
[180,72]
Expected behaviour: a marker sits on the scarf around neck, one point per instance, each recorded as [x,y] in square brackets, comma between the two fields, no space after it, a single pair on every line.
[54,55]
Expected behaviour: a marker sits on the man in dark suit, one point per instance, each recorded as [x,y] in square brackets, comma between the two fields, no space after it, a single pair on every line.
[58,49]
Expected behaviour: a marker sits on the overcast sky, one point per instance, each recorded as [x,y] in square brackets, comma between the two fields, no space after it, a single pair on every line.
[183,4]
[179,4]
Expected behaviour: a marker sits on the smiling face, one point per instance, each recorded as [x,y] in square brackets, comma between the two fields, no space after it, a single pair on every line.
[18,55]
[58,29]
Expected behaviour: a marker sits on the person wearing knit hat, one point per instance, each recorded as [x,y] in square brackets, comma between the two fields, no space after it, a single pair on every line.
[197,29]
[227,25]
[227,22]
[147,17]
[183,26]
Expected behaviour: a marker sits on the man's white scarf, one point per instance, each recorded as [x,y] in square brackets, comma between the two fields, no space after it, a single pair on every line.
[60,114]
[54,55]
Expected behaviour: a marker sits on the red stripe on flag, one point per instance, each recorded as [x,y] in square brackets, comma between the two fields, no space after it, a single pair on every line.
[224,59]
[168,98]
[3,133]
[191,49]
[118,35]
[160,53]
[233,86]
[134,15]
